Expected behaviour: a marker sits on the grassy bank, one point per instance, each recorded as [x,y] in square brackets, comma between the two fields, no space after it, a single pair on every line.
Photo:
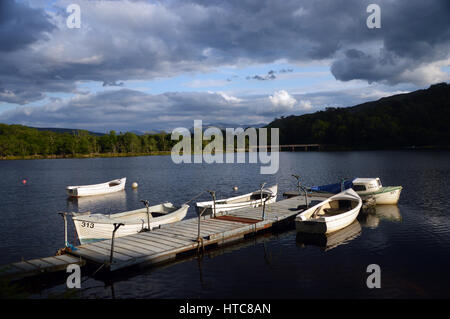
[94,155]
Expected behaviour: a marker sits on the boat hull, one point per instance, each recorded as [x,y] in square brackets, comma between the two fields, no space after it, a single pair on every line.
[328,224]
[332,240]
[89,230]
[390,196]
[97,189]
[325,227]
[206,207]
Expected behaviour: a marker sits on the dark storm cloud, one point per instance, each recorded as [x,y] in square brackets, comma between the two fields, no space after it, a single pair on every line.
[20,96]
[414,34]
[21,25]
[112,83]
[286,71]
[123,40]
[359,65]
[269,76]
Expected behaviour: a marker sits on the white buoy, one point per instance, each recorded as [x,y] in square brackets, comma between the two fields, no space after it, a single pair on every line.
[134,185]
[235,188]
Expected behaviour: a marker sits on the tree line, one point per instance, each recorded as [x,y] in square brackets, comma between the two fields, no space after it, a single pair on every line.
[18,140]
[23,141]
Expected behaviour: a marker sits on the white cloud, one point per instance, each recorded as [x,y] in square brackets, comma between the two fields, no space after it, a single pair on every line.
[427,73]
[229,98]
[282,100]
[377,94]
[305,105]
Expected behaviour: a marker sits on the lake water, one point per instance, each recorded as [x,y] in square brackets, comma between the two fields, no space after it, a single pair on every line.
[411,242]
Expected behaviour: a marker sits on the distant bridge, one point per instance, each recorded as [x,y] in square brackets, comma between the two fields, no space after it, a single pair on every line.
[291,147]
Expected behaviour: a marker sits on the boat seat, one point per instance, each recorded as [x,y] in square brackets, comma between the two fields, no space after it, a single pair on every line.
[333,211]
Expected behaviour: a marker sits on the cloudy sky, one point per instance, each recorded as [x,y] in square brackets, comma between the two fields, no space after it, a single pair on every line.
[146,65]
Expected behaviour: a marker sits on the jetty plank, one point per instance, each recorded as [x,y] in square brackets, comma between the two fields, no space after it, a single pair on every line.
[164,239]
[33,267]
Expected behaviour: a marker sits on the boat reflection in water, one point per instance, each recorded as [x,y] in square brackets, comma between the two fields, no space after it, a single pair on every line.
[114,202]
[381,212]
[331,240]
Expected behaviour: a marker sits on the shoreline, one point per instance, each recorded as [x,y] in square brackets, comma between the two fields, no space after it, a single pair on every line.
[158,153]
[79,156]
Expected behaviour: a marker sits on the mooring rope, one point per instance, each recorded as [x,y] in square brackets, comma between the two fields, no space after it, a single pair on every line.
[195,197]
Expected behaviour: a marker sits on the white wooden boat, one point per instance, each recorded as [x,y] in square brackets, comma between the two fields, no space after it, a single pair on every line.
[97,189]
[94,227]
[332,214]
[366,187]
[253,199]
[384,195]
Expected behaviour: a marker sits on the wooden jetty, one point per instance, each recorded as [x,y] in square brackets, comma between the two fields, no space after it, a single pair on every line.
[39,266]
[165,243]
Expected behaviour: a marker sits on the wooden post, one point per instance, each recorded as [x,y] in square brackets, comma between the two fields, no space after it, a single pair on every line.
[214,203]
[262,202]
[116,227]
[264,210]
[199,238]
[64,216]
[306,196]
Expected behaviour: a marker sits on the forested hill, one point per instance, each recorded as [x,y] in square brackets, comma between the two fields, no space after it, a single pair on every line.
[419,118]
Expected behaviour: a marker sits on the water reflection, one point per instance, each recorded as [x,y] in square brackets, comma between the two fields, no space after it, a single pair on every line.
[332,240]
[381,212]
[115,202]
[209,254]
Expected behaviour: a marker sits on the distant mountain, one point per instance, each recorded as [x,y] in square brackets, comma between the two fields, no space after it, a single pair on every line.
[151,132]
[223,126]
[71,131]
[419,118]
[64,130]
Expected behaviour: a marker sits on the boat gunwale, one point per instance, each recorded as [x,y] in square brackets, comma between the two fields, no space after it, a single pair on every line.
[383,189]
[345,195]
[268,190]
[109,221]
[119,181]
